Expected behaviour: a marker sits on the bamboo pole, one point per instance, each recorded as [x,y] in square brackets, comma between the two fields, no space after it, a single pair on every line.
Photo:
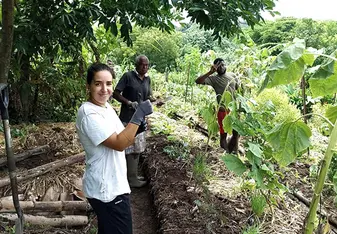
[309,222]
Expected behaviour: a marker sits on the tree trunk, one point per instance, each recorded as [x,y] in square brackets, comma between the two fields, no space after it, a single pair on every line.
[7,30]
[44,169]
[35,104]
[26,154]
[25,88]
[6,38]
[7,206]
[81,66]
[64,221]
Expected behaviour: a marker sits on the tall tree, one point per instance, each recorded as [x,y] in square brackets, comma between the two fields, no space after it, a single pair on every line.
[6,38]
[5,58]
[46,27]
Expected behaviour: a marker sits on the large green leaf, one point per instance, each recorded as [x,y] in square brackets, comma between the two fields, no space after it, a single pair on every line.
[258,176]
[291,73]
[322,87]
[209,115]
[253,160]
[227,124]
[309,56]
[288,140]
[289,65]
[255,149]
[243,104]
[234,164]
[289,55]
[331,113]
[226,98]
[242,128]
[324,80]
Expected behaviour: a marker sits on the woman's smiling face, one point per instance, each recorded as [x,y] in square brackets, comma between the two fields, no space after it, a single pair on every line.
[101,88]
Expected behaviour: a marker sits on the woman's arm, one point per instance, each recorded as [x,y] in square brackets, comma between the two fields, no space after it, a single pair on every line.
[122,140]
[126,138]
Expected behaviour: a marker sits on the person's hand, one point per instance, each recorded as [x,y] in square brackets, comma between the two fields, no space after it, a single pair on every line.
[214,67]
[133,105]
[143,109]
[142,127]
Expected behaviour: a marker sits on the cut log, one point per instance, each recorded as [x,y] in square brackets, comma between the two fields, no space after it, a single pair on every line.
[44,169]
[52,206]
[64,221]
[10,198]
[65,196]
[52,194]
[26,154]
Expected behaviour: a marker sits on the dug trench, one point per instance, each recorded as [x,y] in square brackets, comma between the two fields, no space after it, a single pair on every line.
[181,206]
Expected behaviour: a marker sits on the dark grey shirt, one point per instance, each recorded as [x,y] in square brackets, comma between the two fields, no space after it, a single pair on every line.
[133,89]
[227,81]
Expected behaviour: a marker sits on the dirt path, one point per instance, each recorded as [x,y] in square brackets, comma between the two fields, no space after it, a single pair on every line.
[143,215]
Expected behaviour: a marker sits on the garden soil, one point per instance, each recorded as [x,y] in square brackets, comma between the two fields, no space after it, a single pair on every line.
[173,202]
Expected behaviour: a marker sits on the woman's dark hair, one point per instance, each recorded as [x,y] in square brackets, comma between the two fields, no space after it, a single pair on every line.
[218,60]
[97,67]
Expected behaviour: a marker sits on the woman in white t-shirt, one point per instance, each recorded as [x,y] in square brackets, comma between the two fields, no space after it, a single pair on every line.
[104,139]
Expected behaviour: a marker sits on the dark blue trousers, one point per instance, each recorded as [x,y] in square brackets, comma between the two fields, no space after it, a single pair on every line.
[113,217]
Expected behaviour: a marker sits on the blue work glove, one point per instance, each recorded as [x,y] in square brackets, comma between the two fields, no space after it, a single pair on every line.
[143,109]
[142,127]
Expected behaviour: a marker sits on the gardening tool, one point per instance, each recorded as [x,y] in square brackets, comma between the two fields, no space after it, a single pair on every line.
[143,126]
[4,100]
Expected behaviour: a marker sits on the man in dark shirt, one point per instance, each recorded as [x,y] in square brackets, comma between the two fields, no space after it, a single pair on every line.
[133,88]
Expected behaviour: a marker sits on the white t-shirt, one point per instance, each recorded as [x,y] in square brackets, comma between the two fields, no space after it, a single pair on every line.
[105,174]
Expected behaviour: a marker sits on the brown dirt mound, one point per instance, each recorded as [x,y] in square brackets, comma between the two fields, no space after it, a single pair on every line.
[180,207]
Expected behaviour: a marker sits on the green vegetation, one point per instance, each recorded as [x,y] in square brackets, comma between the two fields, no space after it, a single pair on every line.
[287,68]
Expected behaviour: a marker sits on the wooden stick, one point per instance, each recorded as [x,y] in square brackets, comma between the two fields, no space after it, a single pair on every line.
[26,154]
[44,169]
[10,198]
[63,221]
[196,126]
[305,201]
[51,206]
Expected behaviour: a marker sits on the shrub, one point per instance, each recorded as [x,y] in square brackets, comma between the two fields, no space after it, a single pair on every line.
[277,105]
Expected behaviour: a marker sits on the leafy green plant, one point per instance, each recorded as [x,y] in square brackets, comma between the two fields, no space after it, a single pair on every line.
[160,47]
[275,105]
[10,230]
[333,168]
[162,125]
[251,230]
[201,171]
[16,132]
[288,67]
[258,203]
[93,230]
[178,150]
